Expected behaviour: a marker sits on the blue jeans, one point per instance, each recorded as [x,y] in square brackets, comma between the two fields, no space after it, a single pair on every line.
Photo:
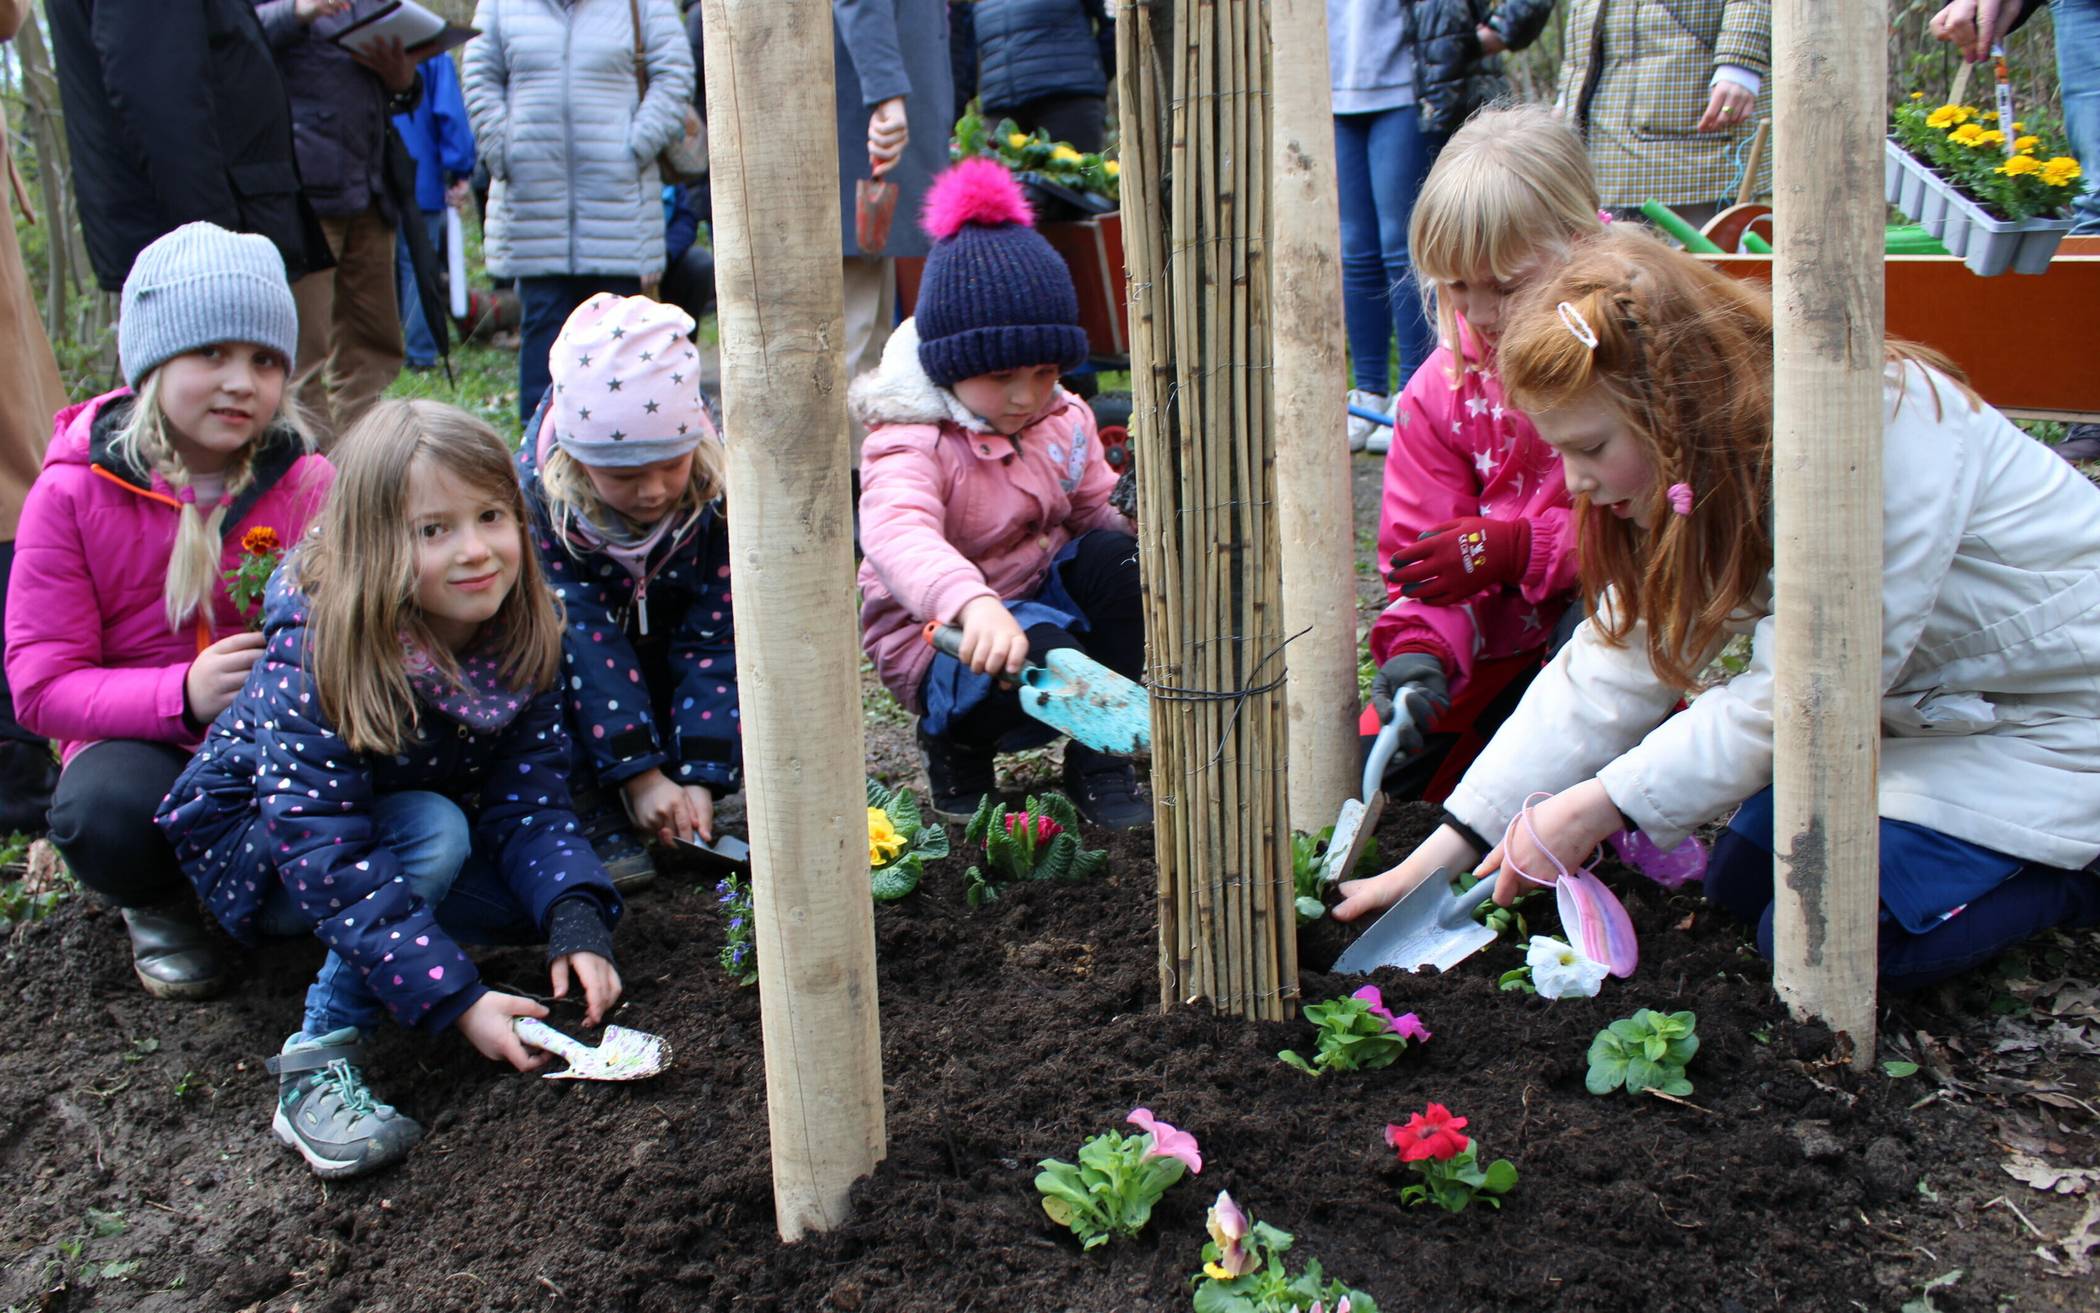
[1380,162]
[2078,70]
[2013,899]
[545,304]
[434,843]
[418,345]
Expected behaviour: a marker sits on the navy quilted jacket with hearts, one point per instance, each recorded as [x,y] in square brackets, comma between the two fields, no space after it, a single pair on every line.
[275,793]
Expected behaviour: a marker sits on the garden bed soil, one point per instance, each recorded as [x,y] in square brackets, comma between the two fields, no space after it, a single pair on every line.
[145,1176]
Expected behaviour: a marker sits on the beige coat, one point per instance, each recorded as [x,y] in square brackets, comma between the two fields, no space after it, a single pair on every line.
[30,390]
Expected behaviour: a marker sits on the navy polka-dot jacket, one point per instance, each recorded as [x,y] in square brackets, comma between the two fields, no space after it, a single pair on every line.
[683,600]
[275,793]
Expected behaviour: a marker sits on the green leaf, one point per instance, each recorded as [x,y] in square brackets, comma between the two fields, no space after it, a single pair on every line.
[1675,1084]
[903,811]
[1606,1075]
[121,1268]
[878,796]
[105,1224]
[1058,808]
[1087,863]
[1501,1177]
[1897,1069]
[1629,1030]
[897,879]
[1291,1059]
[1641,1074]
[1309,909]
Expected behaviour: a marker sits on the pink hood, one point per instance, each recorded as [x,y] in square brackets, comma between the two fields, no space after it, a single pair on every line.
[89,652]
[950,512]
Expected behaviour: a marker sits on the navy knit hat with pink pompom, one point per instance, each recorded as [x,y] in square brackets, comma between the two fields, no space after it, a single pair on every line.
[994,295]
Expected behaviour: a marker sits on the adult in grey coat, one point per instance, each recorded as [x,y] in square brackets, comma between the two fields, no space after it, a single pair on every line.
[576,206]
[896,111]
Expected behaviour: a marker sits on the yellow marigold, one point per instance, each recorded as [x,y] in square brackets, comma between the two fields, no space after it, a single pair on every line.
[1990,138]
[1017,139]
[884,843]
[1917,95]
[1968,134]
[2019,166]
[2019,126]
[260,541]
[1947,116]
[2061,171]
[1064,154]
[1112,168]
[2026,144]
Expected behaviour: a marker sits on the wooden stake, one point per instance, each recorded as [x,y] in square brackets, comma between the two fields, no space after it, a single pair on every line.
[1827,79]
[1313,507]
[775,164]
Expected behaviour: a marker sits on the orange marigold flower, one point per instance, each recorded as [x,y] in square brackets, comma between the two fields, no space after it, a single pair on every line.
[260,541]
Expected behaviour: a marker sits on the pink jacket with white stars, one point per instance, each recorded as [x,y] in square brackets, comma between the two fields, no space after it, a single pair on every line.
[1464,450]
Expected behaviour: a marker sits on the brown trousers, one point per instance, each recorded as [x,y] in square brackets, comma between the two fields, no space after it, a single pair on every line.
[349,325]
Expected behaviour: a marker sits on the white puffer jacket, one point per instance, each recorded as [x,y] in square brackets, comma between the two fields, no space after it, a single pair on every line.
[570,143]
[1990,664]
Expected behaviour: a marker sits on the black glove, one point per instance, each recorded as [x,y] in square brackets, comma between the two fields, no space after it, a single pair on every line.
[1412,683]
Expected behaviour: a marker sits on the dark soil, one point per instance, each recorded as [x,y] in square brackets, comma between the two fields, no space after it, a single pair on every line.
[1009,1035]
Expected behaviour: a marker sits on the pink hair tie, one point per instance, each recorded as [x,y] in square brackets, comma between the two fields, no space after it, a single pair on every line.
[1681,498]
[186,495]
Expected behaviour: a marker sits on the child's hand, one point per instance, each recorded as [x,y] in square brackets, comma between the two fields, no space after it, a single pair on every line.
[992,642]
[1445,848]
[1571,824]
[660,807]
[600,981]
[1462,558]
[487,1026]
[216,676]
[701,804]
[1491,42]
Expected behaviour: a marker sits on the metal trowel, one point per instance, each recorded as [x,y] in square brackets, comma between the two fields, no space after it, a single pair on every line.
[1074,694]
[622,1054]
[1359,817]
[1431,926]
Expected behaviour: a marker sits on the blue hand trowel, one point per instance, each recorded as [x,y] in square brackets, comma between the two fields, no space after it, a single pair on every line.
[1076,695]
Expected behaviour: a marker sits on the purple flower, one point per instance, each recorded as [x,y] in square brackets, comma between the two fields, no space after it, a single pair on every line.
[1407,1025]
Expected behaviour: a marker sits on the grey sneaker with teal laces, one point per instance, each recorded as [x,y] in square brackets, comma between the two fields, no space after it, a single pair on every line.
[327,1112]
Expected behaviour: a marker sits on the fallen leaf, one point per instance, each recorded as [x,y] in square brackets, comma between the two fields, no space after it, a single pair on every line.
[2045,1176]
[2083,1239]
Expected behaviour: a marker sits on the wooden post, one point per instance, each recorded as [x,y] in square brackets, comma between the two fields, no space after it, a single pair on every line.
[1193,76]
[1827,77]
[775,164]
[1313,502]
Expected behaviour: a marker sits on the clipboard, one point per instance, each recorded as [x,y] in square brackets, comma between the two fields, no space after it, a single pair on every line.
[416,28]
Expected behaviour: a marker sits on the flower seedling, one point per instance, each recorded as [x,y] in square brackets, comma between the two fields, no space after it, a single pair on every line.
[1554,969]
[261,554]
[738,956]
[1968,147]
[1243,1271]
[1111,1191]
[1039,842]
[1306,852]
[900,843]
[1357,1033]
[1448,1163]
[1646,1051]
[1506,922]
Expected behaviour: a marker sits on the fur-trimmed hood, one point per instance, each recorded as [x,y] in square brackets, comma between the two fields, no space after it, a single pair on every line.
[898,391]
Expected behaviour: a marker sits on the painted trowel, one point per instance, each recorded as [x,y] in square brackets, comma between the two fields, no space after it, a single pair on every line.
[1076,695]
[622,1054]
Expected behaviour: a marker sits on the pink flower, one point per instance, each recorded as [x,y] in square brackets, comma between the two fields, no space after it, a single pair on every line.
[1431,1133]
[1407,1026]
[1045,828]
[1228,1227]
[1166,1141]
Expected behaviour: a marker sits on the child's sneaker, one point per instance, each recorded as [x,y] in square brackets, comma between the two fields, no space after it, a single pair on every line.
[957,777]
[612,838]
[1364,432]
[327,1112]
[1105,789]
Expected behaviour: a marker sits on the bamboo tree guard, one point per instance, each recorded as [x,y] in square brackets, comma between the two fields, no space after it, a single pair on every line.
[777,272]
[1827,79]
[1313,503]
[1195,119]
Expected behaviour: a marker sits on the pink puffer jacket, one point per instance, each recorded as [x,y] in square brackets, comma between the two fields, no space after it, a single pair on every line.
[90,655]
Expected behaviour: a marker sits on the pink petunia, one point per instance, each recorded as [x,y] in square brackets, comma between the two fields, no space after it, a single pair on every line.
[1167,1142]
[1407,1026]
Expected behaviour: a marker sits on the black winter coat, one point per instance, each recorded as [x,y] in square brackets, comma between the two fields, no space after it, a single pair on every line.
[1028,49]
[1452,77]
[174,113]
[341,112]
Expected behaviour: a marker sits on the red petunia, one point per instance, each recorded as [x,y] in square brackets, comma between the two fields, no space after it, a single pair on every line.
[1431,1133]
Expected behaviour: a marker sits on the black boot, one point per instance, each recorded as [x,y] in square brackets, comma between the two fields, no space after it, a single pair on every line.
[1105,789]
[172,951]
[957,776]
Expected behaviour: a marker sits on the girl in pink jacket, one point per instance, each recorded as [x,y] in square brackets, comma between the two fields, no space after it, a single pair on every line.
[984,502]
[123,641]
[1475,520]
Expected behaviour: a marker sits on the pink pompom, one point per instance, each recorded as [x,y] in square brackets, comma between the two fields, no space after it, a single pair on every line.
[978,190]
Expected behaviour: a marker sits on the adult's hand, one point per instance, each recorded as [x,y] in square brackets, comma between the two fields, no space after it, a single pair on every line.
[393,65]
[887,134]
[456,195]
[1974,26]
[1727,108]
[308,11]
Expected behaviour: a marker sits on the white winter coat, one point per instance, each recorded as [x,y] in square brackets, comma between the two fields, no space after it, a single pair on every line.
[1990,664]
[570,143]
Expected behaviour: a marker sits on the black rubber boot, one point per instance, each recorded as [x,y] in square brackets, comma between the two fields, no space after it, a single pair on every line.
[173,953]
[1105,789]
[957,776]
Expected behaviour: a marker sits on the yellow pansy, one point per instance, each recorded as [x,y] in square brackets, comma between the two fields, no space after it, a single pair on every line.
[2026,144]
[1216,1273]
[1112,168]
[2020,165]
[1017,139]
[2061,171]
[884,843]
[1064,154]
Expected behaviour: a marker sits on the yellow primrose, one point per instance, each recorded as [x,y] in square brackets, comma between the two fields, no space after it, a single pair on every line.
[1017,139]
[884,843]
[2019,166]
[2061,171]
[1064,154]
[1112,168]
[2026,144]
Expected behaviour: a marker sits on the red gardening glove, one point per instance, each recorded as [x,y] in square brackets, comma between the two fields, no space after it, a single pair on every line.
[1461,558]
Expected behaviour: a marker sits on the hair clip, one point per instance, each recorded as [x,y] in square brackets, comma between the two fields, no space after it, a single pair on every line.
[1681,498]
[1577,325]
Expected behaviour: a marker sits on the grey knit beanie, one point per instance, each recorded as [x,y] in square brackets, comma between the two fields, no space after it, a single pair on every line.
[202,284]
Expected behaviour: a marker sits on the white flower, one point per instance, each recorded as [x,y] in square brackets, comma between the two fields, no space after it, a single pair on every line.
[1558,971]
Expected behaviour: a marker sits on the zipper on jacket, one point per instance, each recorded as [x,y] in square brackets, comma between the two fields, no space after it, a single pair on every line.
[568,122]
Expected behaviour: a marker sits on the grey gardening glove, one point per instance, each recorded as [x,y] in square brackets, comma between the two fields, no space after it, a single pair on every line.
[1411,687]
